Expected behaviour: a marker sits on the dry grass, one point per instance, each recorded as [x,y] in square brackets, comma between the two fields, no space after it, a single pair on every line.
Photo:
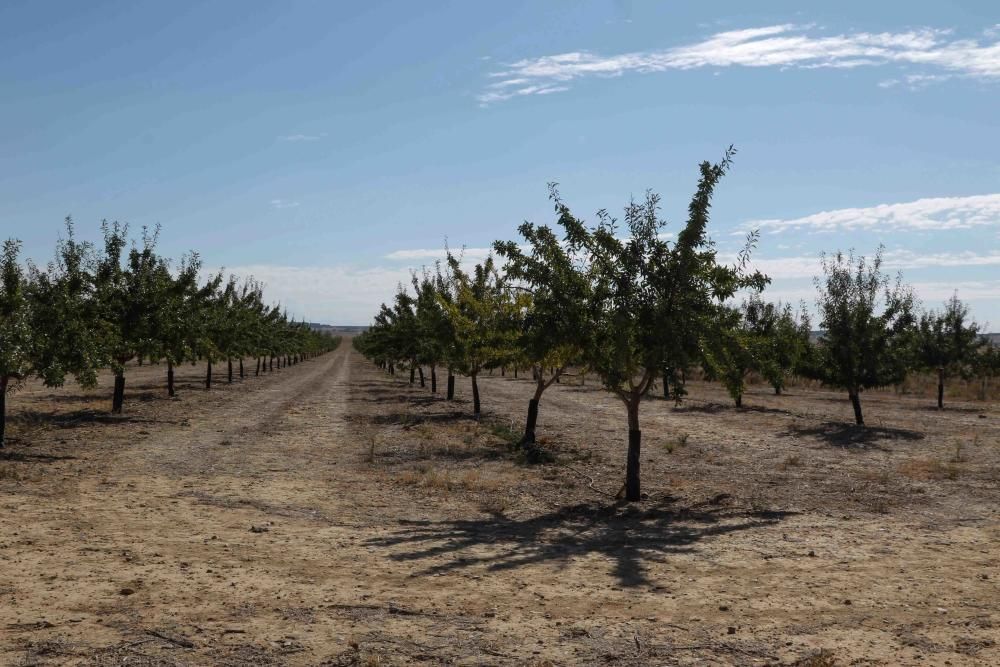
[929,469]
[428,477]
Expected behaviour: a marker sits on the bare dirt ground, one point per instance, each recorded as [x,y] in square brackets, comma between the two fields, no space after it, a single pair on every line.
[329,514]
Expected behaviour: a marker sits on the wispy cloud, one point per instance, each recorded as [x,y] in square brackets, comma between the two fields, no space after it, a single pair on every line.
[430,255]
[933,213]
[782,46]
[808,266]
[302,137]
[283,203]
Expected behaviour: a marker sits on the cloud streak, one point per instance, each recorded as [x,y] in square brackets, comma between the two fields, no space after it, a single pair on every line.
[782,46]
[930,214]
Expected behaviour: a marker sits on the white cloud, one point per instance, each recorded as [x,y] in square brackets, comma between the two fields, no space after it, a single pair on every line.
[936,213]
[434,254]
[808,266]
[342,294]
[283,203]
[302,137]
[782,46]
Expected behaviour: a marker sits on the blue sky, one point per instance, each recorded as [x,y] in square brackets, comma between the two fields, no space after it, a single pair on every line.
[327,147]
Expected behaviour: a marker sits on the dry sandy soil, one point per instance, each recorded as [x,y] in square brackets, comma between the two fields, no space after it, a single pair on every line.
[329,514]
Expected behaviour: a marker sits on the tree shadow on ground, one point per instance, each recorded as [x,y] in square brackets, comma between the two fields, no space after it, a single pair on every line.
[74,418]
[852,436]
[629,536]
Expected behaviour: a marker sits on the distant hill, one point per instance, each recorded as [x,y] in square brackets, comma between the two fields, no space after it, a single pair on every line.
[334,329]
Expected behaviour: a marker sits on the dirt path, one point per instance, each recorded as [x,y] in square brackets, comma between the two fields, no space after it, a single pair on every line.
[332,515]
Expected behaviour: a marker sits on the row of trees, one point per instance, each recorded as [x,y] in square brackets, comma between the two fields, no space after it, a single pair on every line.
[103,306]
[618,300]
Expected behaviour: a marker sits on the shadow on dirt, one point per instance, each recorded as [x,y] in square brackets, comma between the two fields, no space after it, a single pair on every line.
[852,436]
[627,535]
[74,418]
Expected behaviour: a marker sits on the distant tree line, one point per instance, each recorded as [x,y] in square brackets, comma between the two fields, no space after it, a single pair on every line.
[97,306]
[618,300]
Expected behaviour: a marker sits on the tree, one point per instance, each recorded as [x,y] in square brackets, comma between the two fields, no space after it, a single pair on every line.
[64,314]
[867,324]
[129,296]
[553,325]
[433,329]
[948,343]
[651,301]
[17,339]
[481,315]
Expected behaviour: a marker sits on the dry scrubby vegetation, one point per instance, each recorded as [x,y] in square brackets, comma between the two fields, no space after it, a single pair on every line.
[622,302]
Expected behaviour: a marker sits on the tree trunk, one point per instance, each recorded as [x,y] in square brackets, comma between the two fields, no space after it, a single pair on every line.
[515,372]
[632,489]
[940,388]
[777,390]
[241,368]
[451,386]
[529,426]
[503,371]
[434,380]
[420,369]
[271,364]
[257,372]
[118,399]
[3,410]
[170,379]
[229,379]
[208,376]
[739,400]
[856,403]
[475,396]
[413,374]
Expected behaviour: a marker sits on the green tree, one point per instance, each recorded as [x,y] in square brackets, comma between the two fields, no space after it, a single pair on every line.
[948,343]
[481,315]
[553,324]
[129,294]
[651,301]
[867,322]
[17,339]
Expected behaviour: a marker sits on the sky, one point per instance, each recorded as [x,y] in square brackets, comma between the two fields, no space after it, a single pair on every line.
[329,148]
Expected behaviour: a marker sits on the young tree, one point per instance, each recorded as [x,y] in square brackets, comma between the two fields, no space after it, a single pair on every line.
[481,316]
[651,301]
[553,325]
[867,324]
[129,297]
[948,343]
[17,339]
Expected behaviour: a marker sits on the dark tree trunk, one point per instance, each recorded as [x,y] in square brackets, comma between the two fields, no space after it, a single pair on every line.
[633,492]
[777,390]
[451,386]
[666,383]
[475,396]
[257,372]
[229,377]
[503,371]
[170,379]
[118,399]
[739,400]
[3,410]
[241,368]
[140,360]
[420,369]
[208,376]
[856,403]
[940,388]
[434,380]
[413,374]
[271,365]
[515,372]
[529,425]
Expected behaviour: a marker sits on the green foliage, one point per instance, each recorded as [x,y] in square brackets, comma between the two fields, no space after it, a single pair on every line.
[17,340]
[948,341]
[867,323]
